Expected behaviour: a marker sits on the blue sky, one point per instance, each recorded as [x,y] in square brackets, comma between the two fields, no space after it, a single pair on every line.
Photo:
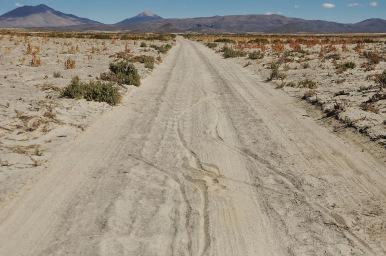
[116,10]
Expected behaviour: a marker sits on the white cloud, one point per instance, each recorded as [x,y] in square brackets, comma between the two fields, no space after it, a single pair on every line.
[19,4]
[328,5]
[373,4]
[296,6]
[354,5]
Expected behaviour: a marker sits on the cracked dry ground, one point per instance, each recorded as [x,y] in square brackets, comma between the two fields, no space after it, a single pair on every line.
[203,159]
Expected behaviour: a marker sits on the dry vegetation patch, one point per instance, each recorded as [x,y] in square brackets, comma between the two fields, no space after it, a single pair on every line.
[42,106]
[344,75]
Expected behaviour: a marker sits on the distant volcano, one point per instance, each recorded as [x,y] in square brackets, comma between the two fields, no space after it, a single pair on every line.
[145,16]
[41,16]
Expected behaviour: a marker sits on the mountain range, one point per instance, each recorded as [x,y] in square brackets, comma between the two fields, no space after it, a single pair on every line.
[42,16]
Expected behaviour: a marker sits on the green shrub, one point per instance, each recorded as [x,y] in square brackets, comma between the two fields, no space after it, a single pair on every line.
[147,60]
[275,74]
[92,91]
[123,72]
[256,55]
[307,84]
[381,79]
[349,65]
[211,45]
[345,66]
[231,53]
[224,40]
[373,57]
[57,74]
[162,49]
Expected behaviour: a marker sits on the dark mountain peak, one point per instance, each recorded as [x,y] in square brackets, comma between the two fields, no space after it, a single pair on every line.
[27,10]
[42,7]
[41,16]
[140,18]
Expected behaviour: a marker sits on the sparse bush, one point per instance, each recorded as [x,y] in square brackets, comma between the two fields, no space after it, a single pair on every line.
[92,91]
[231,53]
[29,48]
[338,107]
[69,64]
[308,94]
[349,65]
[162,49]
[307,84]
[256,55]
[345,66]
[369,107]
[143,44]
[381,79]
[57,74]
[211,45]
[122,72]
[333,56]
[367,66]
[35,61]
[225,40]
[259,41]
[372,57]
[147,60]
[275,74]
[305,65]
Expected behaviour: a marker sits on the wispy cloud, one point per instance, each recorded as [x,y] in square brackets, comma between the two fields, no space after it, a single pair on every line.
[19,4]
[328,5]
[354,4]
[374,4]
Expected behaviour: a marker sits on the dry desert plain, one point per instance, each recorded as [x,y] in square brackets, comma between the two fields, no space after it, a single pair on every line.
[212,154]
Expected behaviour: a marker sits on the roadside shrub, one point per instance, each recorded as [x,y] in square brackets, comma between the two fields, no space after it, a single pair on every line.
[349,65]
[35,61]
[345,66]
[337,108]
[162,49]
[144,59]
[92,91]
[372,57]
[306,65]
[69,64]
[333,56]
[211,45]
[57,74]
[231,53]
[308,94]
[307,84]
[143,44]
[255,55]
[381,79]
[225,40]
[275,74]
[123,72]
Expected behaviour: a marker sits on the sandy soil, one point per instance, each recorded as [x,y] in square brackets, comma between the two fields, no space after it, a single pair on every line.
[344,94]
[203,159]
[35,121]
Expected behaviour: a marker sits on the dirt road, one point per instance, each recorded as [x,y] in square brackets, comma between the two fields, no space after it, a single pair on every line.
[203,159]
